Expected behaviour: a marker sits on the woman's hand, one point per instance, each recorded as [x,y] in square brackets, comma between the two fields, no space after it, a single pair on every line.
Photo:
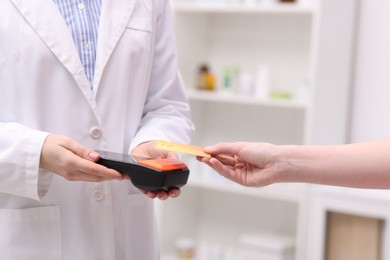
[248,164]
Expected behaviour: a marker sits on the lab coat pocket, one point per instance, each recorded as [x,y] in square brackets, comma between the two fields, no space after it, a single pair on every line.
[33,233]
[141,230]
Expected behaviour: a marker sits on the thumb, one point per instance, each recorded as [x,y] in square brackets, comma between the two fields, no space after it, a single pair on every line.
[93,156]
[224,148]
[83,152]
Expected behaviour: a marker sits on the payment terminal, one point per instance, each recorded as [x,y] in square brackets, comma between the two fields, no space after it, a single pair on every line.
[147,174]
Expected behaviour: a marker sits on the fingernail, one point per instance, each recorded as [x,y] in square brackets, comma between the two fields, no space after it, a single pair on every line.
[93,155]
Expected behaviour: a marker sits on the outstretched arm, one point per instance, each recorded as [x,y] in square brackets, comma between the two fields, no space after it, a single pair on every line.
[360,165]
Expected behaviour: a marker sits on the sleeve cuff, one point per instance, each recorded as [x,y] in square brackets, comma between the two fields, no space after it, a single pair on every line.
[37,181]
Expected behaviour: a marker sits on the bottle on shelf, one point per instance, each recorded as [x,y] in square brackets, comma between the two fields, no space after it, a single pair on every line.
[185,248]
[266,247]
[229,79]
[245,84]
[262,82]
[205,79]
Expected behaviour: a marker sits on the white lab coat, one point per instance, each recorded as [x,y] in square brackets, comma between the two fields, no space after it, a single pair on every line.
[137,96]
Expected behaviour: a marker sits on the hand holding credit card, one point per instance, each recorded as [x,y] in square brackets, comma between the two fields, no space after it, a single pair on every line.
[181,148]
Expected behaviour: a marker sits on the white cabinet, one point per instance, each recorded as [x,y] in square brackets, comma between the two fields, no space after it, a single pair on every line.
[307,48]
[356,202]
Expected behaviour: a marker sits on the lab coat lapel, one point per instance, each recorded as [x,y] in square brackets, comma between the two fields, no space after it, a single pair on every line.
[115,15]
[47,21]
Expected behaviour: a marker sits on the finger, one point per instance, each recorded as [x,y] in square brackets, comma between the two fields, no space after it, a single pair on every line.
[81,176]
[226,171]
[221,168]
[150,194]
[226,159]
[200,158]
[92,168]
[93,156]
[207,161]
[162,195]
[174,193]
[203,159]
[102,171]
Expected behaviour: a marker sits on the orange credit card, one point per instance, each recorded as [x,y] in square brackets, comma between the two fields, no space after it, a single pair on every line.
[181,148]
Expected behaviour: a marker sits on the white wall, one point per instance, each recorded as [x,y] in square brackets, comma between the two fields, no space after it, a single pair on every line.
[371,98]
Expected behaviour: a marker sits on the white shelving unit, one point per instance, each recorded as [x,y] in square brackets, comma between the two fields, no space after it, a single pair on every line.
[309,44]
[196,95]
[206,7]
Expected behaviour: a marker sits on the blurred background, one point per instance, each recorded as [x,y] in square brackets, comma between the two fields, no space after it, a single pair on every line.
[285,72]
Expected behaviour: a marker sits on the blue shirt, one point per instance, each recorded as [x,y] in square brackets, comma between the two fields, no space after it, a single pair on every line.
[82,18]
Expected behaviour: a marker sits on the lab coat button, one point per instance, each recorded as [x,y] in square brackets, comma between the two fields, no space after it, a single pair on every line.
[81,6]
[95,132]
[99,195]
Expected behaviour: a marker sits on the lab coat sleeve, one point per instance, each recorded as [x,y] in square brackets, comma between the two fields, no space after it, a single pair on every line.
[20,150]
[166,112]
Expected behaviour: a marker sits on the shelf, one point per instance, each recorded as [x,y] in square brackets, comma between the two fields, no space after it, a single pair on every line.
[281,192]
[379,196]
[169,257]
[244,100]
[200,7]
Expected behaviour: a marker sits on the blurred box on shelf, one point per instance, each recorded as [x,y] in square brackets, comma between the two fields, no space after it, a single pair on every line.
[266,247]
